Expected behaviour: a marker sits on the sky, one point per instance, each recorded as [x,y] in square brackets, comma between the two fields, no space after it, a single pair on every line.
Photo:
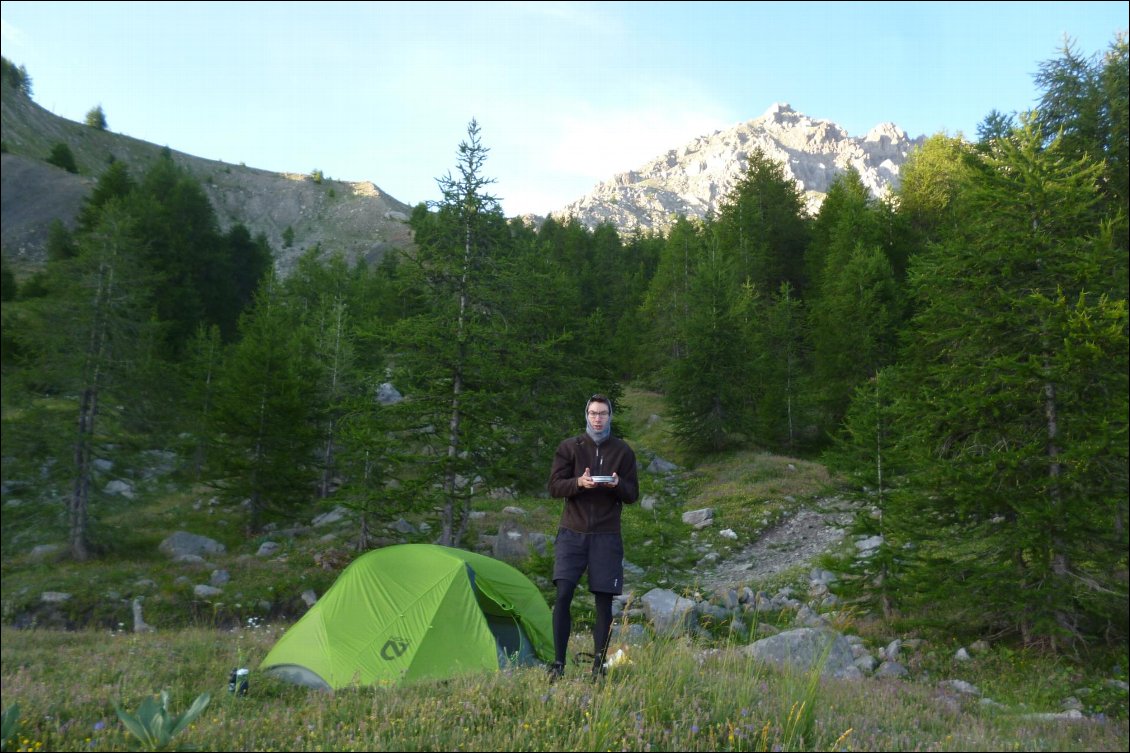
[565,94]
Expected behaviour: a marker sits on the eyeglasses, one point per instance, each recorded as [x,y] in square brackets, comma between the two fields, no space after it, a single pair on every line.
[598,414]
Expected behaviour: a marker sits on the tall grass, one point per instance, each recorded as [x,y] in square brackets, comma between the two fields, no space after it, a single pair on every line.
[671,695]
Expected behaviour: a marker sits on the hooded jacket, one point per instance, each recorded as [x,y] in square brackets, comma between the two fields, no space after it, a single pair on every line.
[594,510]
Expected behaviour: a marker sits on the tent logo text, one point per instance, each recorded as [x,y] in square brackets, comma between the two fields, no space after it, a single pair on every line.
[393,649]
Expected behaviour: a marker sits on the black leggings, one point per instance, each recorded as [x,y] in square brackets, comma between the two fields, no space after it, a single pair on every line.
[563,624]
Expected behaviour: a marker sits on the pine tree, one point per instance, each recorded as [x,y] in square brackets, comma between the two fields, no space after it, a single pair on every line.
[199,371]
[322,290]
[1086,101]
[62,156]
[667,302]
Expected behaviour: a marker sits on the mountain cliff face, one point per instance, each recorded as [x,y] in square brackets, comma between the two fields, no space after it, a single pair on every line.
[694,179]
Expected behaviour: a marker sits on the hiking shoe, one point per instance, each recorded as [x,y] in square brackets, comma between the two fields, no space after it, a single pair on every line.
[598,670]
[555,671]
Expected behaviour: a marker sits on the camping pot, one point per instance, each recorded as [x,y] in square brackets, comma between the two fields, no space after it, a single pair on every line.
[237,682]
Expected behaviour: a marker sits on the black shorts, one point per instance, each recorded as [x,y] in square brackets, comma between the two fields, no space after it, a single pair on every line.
[602,554]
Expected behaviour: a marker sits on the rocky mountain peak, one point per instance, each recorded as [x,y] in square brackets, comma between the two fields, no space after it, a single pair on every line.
[694,179]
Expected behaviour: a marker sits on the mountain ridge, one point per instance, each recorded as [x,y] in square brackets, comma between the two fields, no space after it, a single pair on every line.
[694,179]
[299,211]
[356,218]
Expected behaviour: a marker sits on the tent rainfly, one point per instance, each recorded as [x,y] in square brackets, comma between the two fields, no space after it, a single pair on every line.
[415,612]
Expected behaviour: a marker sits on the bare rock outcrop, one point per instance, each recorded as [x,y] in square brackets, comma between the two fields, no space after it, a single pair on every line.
[693,179]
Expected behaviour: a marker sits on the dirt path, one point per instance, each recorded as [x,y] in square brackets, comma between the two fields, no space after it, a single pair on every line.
[796,540]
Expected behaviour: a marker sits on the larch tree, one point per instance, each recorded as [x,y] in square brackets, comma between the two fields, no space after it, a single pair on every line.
[1015,389]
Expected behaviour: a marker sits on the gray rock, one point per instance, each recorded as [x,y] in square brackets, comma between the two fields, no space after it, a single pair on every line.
[667,611]
[891,669]
[699,518]
[388,395]
[691,179]
[333,516]
[120,488]
[46,552]
[182,542]
[961,686]
[808,649]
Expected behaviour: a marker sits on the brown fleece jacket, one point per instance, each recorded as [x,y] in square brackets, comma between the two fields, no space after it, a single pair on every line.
[593,510]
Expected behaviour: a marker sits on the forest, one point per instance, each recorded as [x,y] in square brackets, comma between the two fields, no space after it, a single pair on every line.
[959,349]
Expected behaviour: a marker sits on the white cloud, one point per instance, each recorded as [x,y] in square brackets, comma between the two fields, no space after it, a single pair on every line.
[599,145]
[11,35]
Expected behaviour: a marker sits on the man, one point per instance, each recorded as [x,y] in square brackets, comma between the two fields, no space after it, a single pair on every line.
[596,475]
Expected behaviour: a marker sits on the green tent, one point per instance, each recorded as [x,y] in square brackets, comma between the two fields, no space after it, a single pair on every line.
[413,612]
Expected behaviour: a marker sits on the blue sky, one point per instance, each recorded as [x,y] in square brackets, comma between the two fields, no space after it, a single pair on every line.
[566,94]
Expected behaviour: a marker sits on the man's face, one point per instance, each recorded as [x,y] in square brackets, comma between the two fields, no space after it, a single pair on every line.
[598,416]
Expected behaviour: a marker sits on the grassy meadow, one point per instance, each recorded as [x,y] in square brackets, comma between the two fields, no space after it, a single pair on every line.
[62,688]
[671,695]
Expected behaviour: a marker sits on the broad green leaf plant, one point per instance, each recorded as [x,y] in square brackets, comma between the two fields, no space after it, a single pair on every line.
[154,726]
[11,723]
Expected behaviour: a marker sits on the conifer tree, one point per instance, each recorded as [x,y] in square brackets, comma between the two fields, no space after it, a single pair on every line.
[855,308]
[710,396]
[1015,376]
[114,183]
[62,156]
[779,369]
[322,291]
[761,224]
[1086,101]
[264,416]
[94,320]
[199,371]
[96,118]
[667,303]
[855,325]
[480,371]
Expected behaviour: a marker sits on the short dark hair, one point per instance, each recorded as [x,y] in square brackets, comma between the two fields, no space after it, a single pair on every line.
[599,398]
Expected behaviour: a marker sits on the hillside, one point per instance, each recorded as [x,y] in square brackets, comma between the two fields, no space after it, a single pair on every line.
[362,221]
[357,219]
